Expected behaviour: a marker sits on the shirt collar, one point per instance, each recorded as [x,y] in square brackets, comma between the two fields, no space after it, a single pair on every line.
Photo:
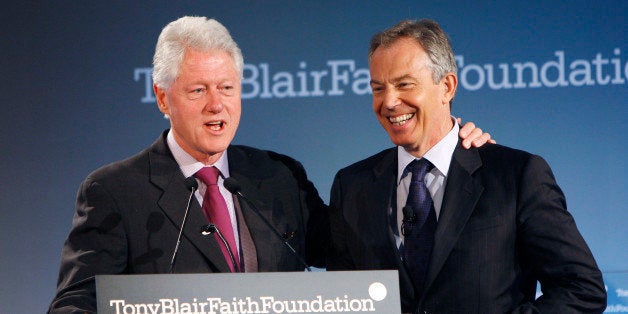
[188,164]
[439,155]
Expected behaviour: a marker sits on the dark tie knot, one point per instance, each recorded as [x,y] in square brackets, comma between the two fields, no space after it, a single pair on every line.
[209,175]
[418,168]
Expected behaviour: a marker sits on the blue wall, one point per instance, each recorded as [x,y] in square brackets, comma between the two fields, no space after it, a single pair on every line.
[73,97]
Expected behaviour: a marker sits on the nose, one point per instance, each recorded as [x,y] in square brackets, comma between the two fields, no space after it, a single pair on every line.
[214,101]
[390,99]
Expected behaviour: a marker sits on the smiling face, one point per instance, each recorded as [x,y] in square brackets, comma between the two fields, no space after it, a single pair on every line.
[412,108]
[203,103]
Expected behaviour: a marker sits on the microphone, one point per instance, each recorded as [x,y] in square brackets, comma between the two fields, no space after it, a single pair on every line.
[192,185]
[211,229]
[233,186]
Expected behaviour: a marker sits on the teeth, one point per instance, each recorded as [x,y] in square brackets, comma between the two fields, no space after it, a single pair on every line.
[400,120]
[216,125]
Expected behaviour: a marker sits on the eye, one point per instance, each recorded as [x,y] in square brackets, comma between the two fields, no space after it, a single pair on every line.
[377,88]
[227,89]
[404,85]
[197,93]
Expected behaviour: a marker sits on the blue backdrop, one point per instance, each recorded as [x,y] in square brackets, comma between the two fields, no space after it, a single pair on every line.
[546,77]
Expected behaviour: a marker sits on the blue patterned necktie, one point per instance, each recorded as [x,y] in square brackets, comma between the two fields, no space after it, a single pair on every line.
[419,225]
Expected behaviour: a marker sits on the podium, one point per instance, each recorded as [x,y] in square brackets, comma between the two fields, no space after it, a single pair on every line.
[223,293]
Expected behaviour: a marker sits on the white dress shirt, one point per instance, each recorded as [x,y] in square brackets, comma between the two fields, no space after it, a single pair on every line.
[435,180]
[189,166]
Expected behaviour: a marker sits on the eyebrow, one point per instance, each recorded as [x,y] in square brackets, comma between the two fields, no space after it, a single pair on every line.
[396,79]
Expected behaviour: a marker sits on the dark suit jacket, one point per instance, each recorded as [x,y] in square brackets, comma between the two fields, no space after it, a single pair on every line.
[503,225]
[128,216]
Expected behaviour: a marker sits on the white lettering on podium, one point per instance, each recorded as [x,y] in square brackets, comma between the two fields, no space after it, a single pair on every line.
[264,305]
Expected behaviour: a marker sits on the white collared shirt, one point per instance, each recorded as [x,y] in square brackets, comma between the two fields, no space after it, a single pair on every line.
[435,180]
[189,166]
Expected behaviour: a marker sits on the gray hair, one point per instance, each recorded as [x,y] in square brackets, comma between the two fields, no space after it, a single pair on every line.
[198,33]
[430,36]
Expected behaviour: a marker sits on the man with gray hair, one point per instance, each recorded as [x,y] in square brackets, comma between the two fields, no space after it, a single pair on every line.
[129,214]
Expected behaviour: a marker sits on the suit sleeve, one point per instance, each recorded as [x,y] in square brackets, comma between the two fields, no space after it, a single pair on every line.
[338,258]
[313,209]
[317,228]
[96,245]
[552,248]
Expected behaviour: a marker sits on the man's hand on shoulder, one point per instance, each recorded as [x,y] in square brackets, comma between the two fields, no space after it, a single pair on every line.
[473,136]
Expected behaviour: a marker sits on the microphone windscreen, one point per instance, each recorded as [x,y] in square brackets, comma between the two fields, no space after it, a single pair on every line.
[190,183]
[232,185]
[208,229]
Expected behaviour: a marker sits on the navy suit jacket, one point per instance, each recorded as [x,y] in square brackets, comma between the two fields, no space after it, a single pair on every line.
[503,225]
[128,216]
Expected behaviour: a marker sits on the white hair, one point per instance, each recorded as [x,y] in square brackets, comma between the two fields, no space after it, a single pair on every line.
[190,32]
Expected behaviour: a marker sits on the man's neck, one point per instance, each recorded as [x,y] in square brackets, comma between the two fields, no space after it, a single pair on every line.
[435,136]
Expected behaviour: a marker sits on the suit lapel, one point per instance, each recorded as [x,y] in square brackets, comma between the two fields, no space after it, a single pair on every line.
[166,175]
[461,195]
[379,199]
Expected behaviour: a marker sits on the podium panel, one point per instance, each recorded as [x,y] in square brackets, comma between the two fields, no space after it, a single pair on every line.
[287,292]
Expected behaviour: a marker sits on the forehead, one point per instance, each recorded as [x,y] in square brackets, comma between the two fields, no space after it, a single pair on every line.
[404,56]
[209,63]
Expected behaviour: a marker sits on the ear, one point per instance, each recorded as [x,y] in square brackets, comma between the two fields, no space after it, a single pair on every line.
[162,100]
[450,84]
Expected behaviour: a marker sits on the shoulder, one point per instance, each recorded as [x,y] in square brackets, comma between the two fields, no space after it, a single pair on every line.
[505,158]
[248,152]
[135,172]
[256,155]
[254,161]
[135,165]
[496,152]
[377,163]
[127,167]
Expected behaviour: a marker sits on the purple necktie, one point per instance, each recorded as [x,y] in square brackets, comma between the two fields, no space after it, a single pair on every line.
[215,209]
[419,225]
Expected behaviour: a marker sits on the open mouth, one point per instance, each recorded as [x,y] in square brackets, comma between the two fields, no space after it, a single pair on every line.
[401,119]
[215,125]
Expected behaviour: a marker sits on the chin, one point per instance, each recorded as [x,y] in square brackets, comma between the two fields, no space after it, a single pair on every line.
[213,148]
[399,143]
